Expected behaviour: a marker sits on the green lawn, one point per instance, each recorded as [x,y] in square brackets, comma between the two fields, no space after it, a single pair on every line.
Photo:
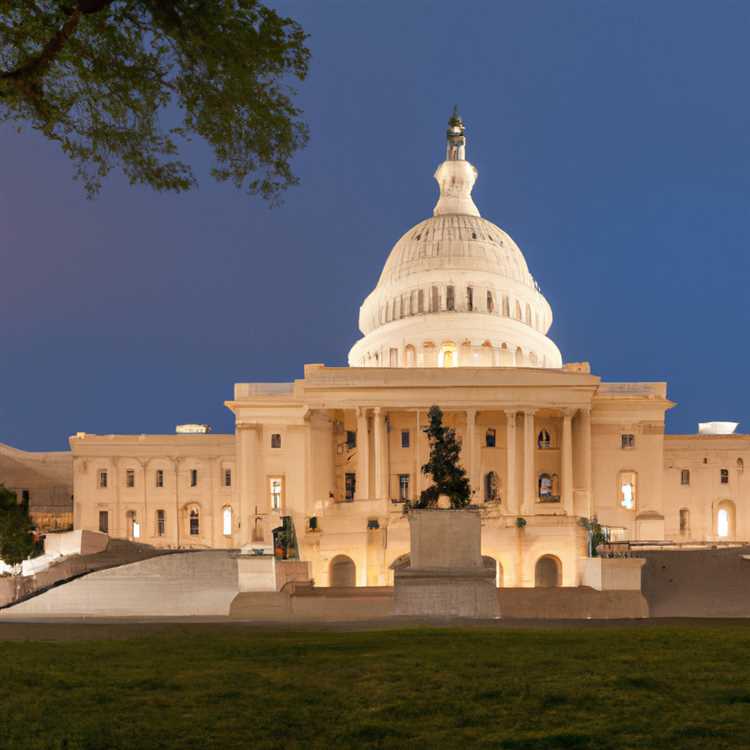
[675,688]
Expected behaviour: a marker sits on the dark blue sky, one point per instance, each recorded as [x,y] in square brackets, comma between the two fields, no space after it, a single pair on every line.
[612,141]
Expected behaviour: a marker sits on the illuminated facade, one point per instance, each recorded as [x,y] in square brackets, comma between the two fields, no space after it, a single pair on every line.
[456,320]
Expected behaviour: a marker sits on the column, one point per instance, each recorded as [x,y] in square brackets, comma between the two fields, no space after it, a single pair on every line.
[381,467]
[511,494]
[566,462]
[362,491]
[471,455]
[585,418]
[247,479]
[529,447]
[417,484]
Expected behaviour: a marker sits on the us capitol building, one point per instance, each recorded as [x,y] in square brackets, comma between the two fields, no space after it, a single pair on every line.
[457,320]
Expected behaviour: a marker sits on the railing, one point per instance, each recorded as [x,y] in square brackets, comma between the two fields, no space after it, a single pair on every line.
[628,548]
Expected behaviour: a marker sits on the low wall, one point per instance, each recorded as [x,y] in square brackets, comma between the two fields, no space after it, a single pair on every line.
[574,603]
[180,584]
[697,583]
[78,542]
[307,603]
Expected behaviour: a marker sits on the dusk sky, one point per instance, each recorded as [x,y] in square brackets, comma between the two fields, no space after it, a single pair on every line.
[612,141]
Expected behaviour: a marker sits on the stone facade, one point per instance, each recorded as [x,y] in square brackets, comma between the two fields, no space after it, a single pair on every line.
[456,320]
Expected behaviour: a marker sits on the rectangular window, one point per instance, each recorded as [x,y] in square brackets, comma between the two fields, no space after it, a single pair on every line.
[276,440]
[130,477]
[469,299]
[25,496]
[103,479]
[627,441]
[725,476]
[275,484]
[420,301]
[403,486]
[685,476]
[227,477]
[434,300]
[404,438]
[161,523]
[104,521]
[490,438]
[450,298]
[351,439]
[351,486]
[160,477]
[193,477]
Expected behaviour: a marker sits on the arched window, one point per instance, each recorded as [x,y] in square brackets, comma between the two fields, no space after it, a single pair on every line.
[549,491]
[410,356]
[490,487]
[684,521]
[490,303]
[725,520]
[343,571]
[543,439]
[195,522]
[393,357]
[226,516]
[448,357]
[506,307]
[519,357]
[490,437]
[740,465]
[627,489]
[685,476]
[548,572]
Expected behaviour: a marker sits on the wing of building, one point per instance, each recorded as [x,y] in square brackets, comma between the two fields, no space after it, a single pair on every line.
[457,320]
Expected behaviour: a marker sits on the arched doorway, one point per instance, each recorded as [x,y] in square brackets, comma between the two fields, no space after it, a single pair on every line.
[343,571]
[548,572]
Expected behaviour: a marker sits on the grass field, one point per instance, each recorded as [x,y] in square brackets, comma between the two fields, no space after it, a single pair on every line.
[676,688]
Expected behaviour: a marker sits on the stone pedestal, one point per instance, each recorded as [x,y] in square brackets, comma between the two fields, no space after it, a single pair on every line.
[445,576]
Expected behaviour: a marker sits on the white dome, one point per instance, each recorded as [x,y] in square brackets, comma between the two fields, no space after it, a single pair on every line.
[455,290]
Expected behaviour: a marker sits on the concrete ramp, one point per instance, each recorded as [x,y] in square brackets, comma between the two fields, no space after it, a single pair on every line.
[176,585]
[697,583]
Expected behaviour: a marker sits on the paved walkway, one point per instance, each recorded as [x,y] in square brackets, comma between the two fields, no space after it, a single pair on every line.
[109,629]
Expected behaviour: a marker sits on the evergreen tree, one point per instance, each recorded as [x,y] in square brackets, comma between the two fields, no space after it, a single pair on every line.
[16,529]
[448,477]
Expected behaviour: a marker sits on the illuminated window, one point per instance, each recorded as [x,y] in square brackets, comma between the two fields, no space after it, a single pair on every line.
[276,486]
[403,486]
[350,481]
[627,441]
[130,478]
[103,479]
[195,522]
[159,477]
[227,477]
[548,488]
[725,520]
[685,476]
[627,489]
[193,477]
[724,476]
[227,520]
[447,356]
[722,525]
[404,438]
[134,528]
[276,440]
[490,438]
[161,523]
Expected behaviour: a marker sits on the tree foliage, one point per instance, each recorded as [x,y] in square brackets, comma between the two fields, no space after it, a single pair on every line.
[449,478]
[125,83]
[16,529]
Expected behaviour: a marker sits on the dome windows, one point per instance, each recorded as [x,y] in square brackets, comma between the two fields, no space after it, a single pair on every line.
[448,356]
